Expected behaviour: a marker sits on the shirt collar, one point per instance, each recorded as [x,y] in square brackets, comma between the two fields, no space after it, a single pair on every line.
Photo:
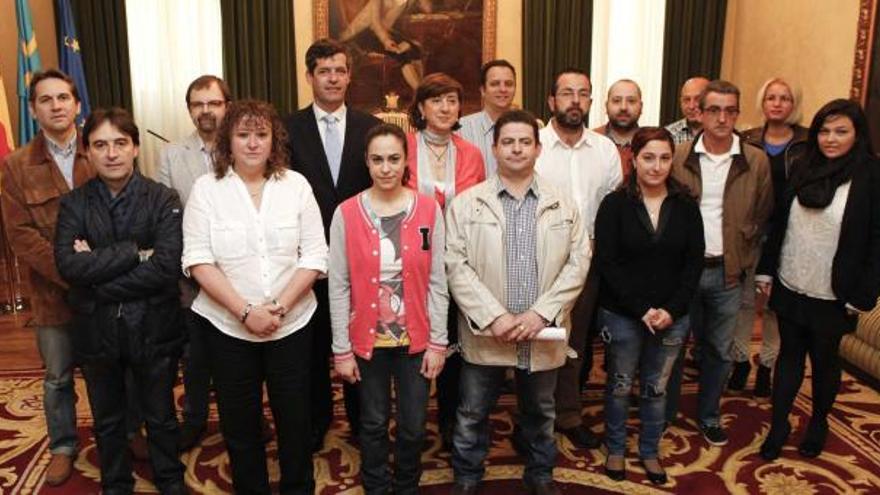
[610,136]
[64,150]
[486,123]
[201,144]
[123,194]
[501,190]
[735,148]
[554,138]
[320,113]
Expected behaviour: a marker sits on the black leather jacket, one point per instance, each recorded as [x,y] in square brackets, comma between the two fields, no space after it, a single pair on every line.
[110,281]
[795,148]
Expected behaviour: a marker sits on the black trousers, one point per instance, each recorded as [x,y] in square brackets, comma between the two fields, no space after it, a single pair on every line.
[807,327]
[239,369]
[196,370]
[449,377]
[108,390]
[321,386]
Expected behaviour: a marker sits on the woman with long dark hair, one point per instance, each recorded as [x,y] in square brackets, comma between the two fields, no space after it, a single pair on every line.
[649,252]
[830,211]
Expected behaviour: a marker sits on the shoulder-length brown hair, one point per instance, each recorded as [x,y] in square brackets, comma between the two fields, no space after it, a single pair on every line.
[642,137]
[432,85]
[255,111]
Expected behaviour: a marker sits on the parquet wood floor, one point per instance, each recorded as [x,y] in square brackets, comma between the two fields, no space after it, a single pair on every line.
[18,347]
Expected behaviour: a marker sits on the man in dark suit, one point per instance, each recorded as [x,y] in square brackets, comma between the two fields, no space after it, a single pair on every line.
[326,144]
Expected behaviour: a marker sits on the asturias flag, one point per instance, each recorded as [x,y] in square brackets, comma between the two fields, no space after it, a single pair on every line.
[6,144]
[71,60]
[28,64]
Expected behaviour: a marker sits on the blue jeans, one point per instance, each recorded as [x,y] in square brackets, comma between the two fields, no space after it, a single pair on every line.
[480,387]
[713,322]
[59,395]
[630,347]
[377,374]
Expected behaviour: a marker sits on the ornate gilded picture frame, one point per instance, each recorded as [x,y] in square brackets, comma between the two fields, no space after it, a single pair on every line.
[394,43]
[866,67]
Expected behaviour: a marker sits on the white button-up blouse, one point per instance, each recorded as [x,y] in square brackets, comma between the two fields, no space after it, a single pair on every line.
[257,251]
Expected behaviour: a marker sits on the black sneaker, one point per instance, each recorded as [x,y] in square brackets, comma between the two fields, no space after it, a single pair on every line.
[714,435]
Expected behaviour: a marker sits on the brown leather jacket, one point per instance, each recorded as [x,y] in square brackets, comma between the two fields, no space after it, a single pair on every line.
[748,202]
[32,186]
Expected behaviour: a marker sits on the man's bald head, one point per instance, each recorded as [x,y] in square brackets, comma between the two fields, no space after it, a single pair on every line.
[689,99]
[624,105]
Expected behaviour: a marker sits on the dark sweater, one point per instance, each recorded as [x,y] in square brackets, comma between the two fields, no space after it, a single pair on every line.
[642,269]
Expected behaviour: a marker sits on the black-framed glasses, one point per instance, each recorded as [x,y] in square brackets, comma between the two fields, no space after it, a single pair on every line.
[715,111]
[207,105]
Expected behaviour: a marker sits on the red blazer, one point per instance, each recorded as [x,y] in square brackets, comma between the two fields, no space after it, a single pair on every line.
[469,167]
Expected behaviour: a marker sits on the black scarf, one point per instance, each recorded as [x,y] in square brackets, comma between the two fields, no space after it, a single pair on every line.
[819,179]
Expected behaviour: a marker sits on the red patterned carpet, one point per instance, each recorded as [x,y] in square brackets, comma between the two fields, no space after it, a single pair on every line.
[851,463]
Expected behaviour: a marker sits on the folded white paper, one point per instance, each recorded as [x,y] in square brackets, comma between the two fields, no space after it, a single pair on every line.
[551,333]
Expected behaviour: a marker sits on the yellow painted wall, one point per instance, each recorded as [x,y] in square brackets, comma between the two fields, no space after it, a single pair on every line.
[508,42]
[809,42]
[43,16]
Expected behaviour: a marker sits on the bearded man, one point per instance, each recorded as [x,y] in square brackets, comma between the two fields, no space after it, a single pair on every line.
[624,108]
[585,165]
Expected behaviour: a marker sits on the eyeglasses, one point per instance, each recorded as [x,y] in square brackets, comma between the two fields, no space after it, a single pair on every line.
[714,111]
[207,105]
[570,93]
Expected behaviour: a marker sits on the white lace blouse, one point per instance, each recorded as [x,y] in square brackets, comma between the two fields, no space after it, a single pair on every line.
[809,246]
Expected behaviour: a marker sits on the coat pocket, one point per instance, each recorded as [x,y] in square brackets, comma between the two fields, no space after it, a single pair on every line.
[42,204]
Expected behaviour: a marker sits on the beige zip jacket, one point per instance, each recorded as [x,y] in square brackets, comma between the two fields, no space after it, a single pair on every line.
[475,266]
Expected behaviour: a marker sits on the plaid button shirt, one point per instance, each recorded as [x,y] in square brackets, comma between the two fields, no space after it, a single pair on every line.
[680,131]
[520,244]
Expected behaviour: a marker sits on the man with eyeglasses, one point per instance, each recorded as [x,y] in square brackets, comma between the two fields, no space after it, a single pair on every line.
[731,179]
[586,166]
[180,164]
[688,127]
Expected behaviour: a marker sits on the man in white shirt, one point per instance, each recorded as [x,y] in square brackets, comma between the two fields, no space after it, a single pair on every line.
[731,180]
[180,164]
[586,166]
[497,88]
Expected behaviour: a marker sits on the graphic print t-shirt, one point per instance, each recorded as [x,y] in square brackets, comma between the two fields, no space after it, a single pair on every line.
[391,327]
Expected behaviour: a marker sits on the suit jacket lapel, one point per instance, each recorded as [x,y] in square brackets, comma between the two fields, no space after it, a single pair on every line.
[195,162]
